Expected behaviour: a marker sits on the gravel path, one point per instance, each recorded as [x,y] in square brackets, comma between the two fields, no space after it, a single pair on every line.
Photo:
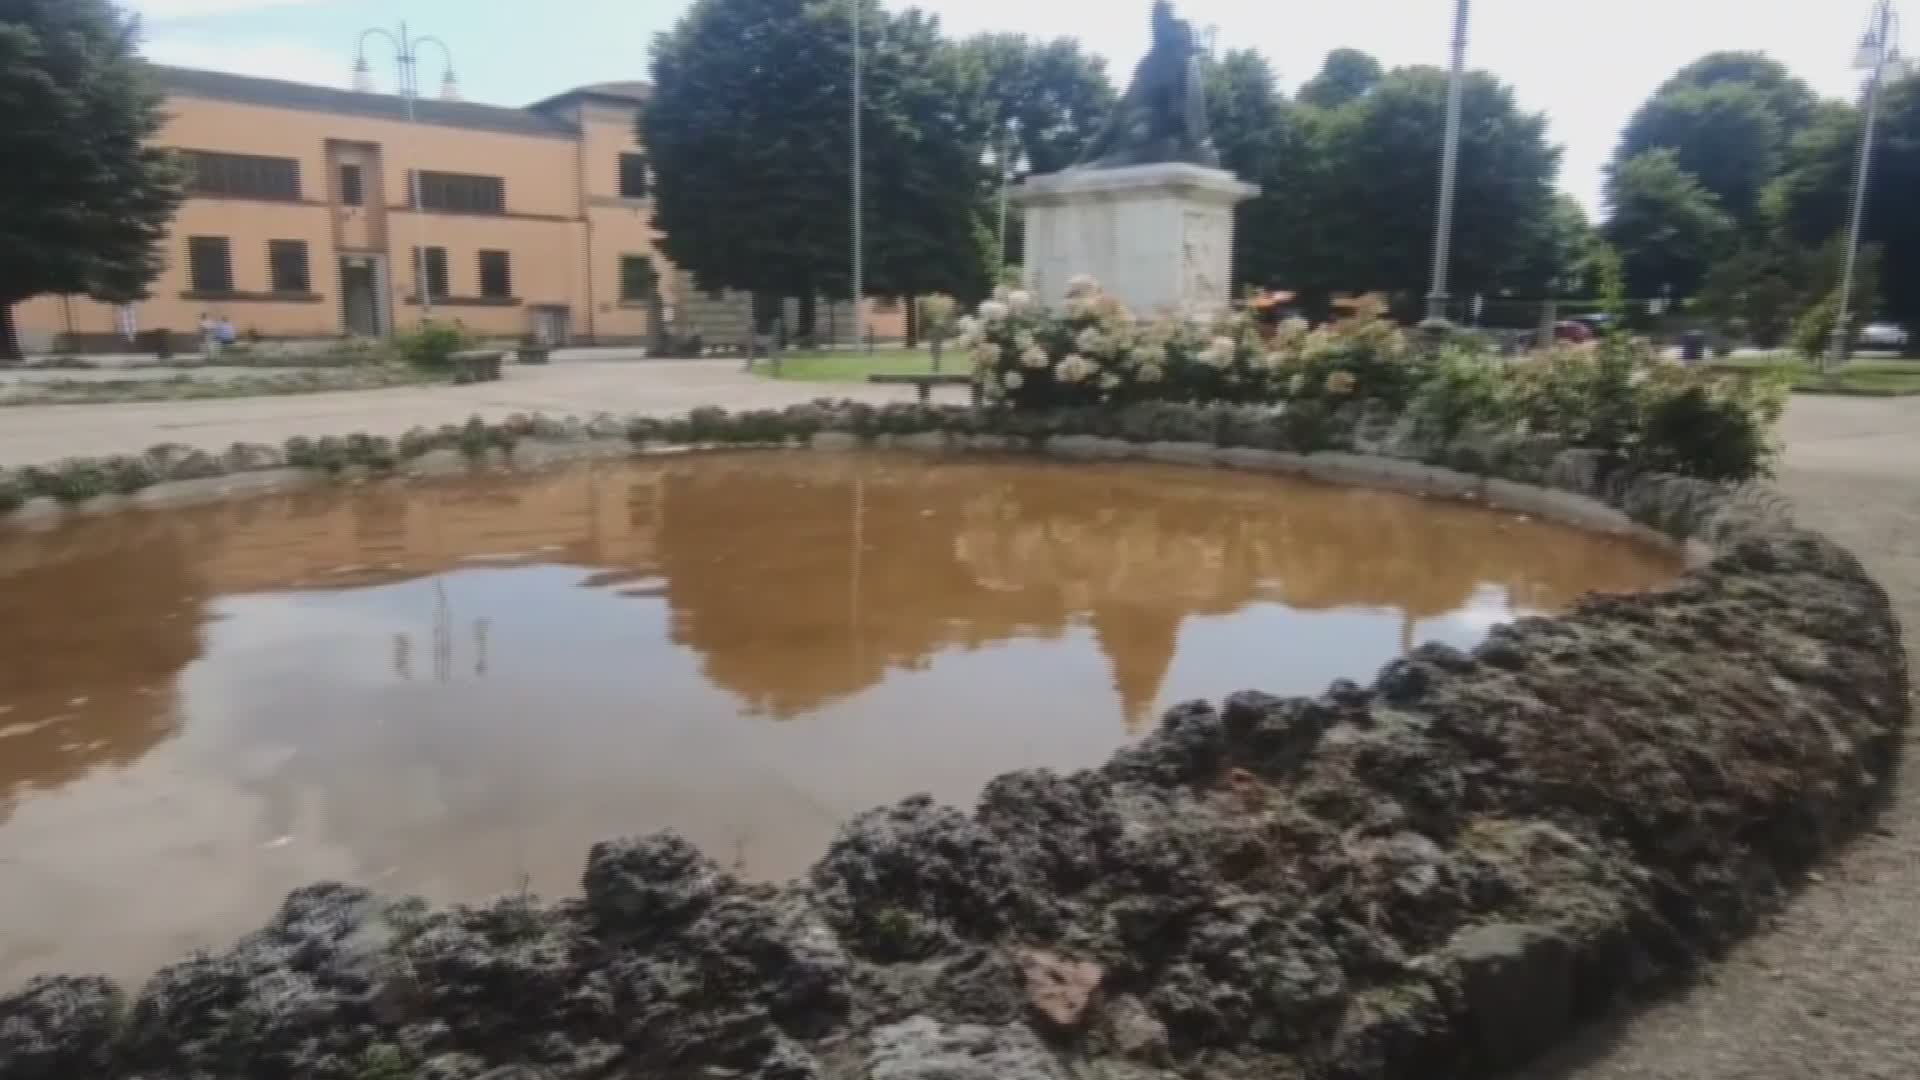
[1833,989]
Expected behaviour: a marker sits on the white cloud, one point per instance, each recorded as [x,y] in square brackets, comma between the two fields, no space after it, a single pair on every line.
[264,57]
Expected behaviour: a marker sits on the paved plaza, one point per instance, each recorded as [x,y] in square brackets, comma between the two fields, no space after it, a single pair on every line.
[35,434]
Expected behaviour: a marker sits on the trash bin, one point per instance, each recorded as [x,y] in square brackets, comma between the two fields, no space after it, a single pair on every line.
[1693,346]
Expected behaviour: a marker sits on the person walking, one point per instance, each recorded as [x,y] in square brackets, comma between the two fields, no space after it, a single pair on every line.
[209,336]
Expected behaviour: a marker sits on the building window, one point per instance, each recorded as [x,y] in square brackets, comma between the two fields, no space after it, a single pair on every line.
[637,279]
[496,275]
[210,264]
[353,188]
[633,176]
[242,176]
[436,272]
[287,259]
[459,193]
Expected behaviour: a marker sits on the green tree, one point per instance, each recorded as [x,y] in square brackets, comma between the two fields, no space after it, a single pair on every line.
[1893,212]
[1726,134]
[1260,139]
[749,130]
[1789,98]
[1667,227]
[84,200]
[1375,197]
[1808,199]
[1057,94]
[1347,75]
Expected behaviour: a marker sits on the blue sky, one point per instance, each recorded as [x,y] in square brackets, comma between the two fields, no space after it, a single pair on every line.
[1586,63]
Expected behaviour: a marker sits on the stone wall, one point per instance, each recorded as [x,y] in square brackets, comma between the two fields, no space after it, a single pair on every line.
[1435,874]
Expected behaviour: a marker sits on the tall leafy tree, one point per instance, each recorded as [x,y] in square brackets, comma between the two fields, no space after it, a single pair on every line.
[1666,225]
[1727,134]
[1346,75]
[1376,199]
[1789,98]
[749,129]
[1893,213]
[84,199]
[1808,199]
[1261,140]
[1057,94]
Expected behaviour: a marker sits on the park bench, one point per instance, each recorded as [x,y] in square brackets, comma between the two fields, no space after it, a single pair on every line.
[476,365]
[924,384]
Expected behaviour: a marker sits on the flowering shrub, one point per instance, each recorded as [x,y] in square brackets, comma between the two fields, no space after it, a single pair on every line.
[1094,351]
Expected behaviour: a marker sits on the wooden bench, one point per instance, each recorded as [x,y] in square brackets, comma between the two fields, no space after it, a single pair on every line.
[924,384]
[476,365]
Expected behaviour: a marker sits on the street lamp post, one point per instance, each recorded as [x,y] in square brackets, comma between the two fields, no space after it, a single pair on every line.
[1449,169]
[406,51]
[1009,146]
[859,235]
[1878,52]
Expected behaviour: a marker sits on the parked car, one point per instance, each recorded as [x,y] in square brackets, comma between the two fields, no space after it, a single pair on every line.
[1883,335]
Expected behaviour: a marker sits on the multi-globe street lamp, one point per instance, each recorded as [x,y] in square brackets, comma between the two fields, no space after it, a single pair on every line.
[406,49]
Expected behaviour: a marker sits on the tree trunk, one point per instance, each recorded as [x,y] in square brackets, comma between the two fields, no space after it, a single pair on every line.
[9,336]
[809,318]
[913,324]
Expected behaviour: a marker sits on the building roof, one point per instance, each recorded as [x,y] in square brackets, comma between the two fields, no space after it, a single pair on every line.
[278,93]
[631,92]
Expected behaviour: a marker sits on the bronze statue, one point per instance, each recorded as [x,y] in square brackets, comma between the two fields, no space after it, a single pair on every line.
[1164,115]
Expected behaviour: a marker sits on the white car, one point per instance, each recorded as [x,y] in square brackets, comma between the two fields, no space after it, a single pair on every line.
[1883,335]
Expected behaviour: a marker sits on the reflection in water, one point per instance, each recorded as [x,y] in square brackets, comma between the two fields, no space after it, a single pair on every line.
[453,689]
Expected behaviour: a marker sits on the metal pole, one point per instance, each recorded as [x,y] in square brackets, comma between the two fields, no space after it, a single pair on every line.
[1880,34]
[1449,168]
[408,71]
[859,240]
[1006,181]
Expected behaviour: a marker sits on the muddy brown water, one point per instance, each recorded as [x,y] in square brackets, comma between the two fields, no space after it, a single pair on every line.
[454,688]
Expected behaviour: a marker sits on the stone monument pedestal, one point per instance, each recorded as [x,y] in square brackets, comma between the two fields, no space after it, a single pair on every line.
[1158,237]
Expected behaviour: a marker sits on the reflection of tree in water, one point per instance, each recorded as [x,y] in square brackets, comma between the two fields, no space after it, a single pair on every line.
[768,584]
[101,616]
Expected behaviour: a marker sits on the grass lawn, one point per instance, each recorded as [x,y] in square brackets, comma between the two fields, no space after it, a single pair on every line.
[856,366]
[1874,378]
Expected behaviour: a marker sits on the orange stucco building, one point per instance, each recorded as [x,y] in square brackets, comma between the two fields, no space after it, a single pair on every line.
[300,222]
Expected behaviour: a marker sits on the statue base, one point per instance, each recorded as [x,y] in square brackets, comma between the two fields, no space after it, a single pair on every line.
[1158,237]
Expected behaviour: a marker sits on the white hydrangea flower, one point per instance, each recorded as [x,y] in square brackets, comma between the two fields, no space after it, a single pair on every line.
[1001,292]
[965,325]
[1075,368]
[1078,307]
[1147,353]
[986,356]
[1109,381]
[1150,373]
[1023,340]
[1218,353]
[1082,285]
[993,312]
[1012,380]
[1091,340]
[1020,300]
[1034,357]
[1297,383]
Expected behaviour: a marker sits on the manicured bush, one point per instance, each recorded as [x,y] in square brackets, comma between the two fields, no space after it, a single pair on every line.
[431,345]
